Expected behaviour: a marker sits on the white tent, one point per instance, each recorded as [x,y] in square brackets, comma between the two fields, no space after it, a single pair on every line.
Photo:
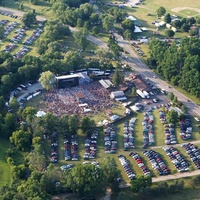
[40,113]
[131,18]
[114,117]
[137,30]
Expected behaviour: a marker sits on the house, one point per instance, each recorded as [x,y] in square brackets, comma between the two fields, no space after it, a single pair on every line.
[140,83]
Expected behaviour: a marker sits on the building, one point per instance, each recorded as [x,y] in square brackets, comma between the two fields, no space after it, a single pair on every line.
[80,97]
[140,83]
[106,83]
[72,80]
[118,96]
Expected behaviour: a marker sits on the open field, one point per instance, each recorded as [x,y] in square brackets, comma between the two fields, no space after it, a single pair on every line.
[42,8]
[5,169]
[188,12]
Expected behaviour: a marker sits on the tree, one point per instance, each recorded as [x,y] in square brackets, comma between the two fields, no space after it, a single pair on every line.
[73,124]
[49,122]
[14,104]
[185,27]
[128,34]
[172,117]
[28,114]
[141,182]
[34,2]
[86,180]
[128,24]
[117,77]
[47,79]
[36,159]
[167,18]
[81,38]
[19,172]
[161,11]
[111,172]
[193,32]
[184,109]
[133,91]
[21,139]
[7,82]
[2,102]
[104,55]
[169,33]
[198,19]
[9,125]
[95,30]
[1,32]
[87,124]
[29,18]
[177,24]
[171,96]
[107,22]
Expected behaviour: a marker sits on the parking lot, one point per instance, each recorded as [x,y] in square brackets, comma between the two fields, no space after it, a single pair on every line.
[21,38]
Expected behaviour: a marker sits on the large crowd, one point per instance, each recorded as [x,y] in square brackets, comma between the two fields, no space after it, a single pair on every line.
[64,101]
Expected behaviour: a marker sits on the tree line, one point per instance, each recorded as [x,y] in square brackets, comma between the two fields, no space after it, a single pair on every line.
[178,64]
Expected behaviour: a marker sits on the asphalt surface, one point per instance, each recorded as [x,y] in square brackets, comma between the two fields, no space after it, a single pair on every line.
[140,67]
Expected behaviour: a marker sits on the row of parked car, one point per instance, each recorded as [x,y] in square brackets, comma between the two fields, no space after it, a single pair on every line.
[22,52]
[129,134]
[110,139]
[91,146]
[10,15]
[148,130]
[140,163]
[177,159]
[125,164]
[19,35]
[186,128]
[9,47]
[157,162]
[36,33]
[138,49]
[3,22]
[70,147]
[193,152]
[8,29]
[170,137]
[54,145]
[162,117]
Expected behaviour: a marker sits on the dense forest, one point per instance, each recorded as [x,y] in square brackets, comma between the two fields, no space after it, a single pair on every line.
[178,63]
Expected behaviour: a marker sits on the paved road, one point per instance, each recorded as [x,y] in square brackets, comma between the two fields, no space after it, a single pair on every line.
[144,70]
[18,13]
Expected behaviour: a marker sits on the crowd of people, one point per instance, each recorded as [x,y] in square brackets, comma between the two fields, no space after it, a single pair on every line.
[65,101]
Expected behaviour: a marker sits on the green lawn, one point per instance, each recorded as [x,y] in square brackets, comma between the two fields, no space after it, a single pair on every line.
[42,8]
[188,12]
[159,129]
[5,169]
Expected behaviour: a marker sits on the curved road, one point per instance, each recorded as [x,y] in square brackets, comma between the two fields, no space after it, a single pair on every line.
[134,62]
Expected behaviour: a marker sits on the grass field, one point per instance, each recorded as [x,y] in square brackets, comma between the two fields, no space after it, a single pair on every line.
[186,194]
[5,169]
[188,12]
[42,8]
